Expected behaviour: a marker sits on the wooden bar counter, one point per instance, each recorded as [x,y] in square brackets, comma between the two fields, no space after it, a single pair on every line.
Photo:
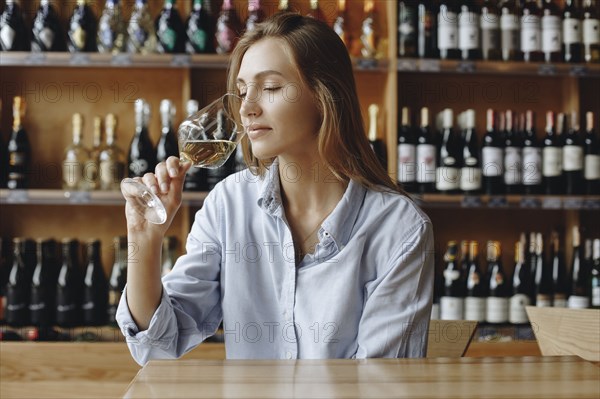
[506,377]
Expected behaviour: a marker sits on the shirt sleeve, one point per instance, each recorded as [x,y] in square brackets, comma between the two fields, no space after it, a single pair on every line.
[190,307]
[395,320]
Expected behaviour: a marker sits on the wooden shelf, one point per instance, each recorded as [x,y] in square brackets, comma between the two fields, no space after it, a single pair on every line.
[92,198]
[533,202]
[497,67]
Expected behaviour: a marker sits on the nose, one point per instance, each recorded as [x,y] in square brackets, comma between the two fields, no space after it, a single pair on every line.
[250,106]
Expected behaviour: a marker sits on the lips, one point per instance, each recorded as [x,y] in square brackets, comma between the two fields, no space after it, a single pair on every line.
[255,131]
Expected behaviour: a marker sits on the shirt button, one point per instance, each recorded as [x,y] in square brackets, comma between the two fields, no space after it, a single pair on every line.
[288,355]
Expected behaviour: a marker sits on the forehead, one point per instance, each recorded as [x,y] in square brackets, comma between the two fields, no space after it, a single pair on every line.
[267,55]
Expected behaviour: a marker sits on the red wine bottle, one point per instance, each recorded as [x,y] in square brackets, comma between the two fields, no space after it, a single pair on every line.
[427,31]
[513,156]
[426,155]
[490,31]
[531,32]
[579,288]
[559,273]
[69,285]
[573,157]
[475,292]
[167,144]
[591,31]
[18,288]
[142,155]
[95,287]
[492,157]
[170,30]
[14,36]
[469,31]
[407,28]
[543,277]
[552,170]
[470,172]
[449,157]
[452,300]
[595,275]
[510,40]
[118,278]
[521,286]
[572,45]
[551,32]
[43,285]
[591,157]
[532,157]
[447,30]
[499,290]
[407,152]
[200,29]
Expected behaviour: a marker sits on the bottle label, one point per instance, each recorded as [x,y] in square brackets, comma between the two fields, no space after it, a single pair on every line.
[168,38]
[407,163]
[7,36]
[532,166]
[592,167]
[496,310]
[489,21]
[509,22]
[475,308]
[578,302]
[72,174]
[516,311]
[451,308]
[426,163]
[225,39]
[543,301]
[468,31]
[78,37]
[596,296]
[435,311]
[451,275]
[572,157]
[447,30]
[530,33]
[552,161]
[591,31]
[560,301]
[492,161]
[551,34]
[512,166]
[447,178]
[470,179]
[199,39]
[571,31]
[139,167]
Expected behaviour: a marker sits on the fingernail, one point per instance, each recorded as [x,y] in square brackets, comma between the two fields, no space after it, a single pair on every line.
[164,187]
[173,172]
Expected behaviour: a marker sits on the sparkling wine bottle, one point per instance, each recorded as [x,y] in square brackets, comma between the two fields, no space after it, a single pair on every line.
[17,288]
[407,28]
[315,11]
[69,285]
[255,15]
[141,155]
[368,32]
[167,144]
[452,300]
[141,34]
[19,149]
[75,157]
[13,33]
[591,31]
[200,29]
[112,164]
[228,28]
[47,33]
[591,157]
[91,175]
[499,290]
[83,29]
[170,30]
[407,153]
[112,30]
[340,25]
[43,285]
[572,45]
[95,287]
[118,278]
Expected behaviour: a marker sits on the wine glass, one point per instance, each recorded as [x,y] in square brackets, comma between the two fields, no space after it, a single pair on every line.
[206,138]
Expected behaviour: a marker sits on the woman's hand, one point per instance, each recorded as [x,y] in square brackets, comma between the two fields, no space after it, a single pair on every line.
[167,183]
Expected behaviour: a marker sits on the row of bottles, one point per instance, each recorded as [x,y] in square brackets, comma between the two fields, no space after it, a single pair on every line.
[540,277]
[510,159]
[202,32]
[506,30]
[41,287]
[104,165]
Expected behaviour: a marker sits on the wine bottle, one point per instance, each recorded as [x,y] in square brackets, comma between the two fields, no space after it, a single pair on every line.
[112,31]
[579,293]
[168,254]
[43,285]
[167,144]
[407,153]
[470,173]
[551,32]
[531,32]
[83,29]
[532,157]
[17,288]
[490,31]
[377,144]
[112,165]
[118,278]
[426,155]
[464,263]
[170,30]
[469,31]
[521,286]
[340,25]
[591,32]
[452,299]
[283,6]
[95,287]
[591,157]
[74,159]
[141,34]
[510,39]
[572,45]
[492,157]
[475,293]
[559,273]
[447,30]
[532,259]
[68,287]
[47,33]
[142,155]
[573,158]
[543,277]
[449,162]
[19,149]
[427,31]
[513,156]
[200,29]
[368,32]
[4,271]
[91,168]
[13,33]
[255,15]
[315,11]
[497,300]
[595,275]
[407,28]
[552,168]
[229,27]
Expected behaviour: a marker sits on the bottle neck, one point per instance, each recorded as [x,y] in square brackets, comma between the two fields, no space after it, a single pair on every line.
[373,113]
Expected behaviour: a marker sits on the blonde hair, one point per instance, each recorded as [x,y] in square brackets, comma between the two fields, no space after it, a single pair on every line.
[325,67]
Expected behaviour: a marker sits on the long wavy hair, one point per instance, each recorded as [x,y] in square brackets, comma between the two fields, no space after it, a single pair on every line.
[325,67]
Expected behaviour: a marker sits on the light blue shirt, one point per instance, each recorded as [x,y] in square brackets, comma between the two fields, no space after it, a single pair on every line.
[365,292]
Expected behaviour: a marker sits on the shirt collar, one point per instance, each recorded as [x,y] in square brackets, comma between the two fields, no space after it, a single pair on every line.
[338,225]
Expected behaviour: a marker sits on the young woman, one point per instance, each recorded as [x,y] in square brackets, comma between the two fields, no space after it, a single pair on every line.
[313,251]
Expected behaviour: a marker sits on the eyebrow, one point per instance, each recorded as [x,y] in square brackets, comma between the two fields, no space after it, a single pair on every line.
[262,74]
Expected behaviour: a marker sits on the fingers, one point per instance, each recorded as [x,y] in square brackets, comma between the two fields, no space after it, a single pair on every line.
[166,173]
